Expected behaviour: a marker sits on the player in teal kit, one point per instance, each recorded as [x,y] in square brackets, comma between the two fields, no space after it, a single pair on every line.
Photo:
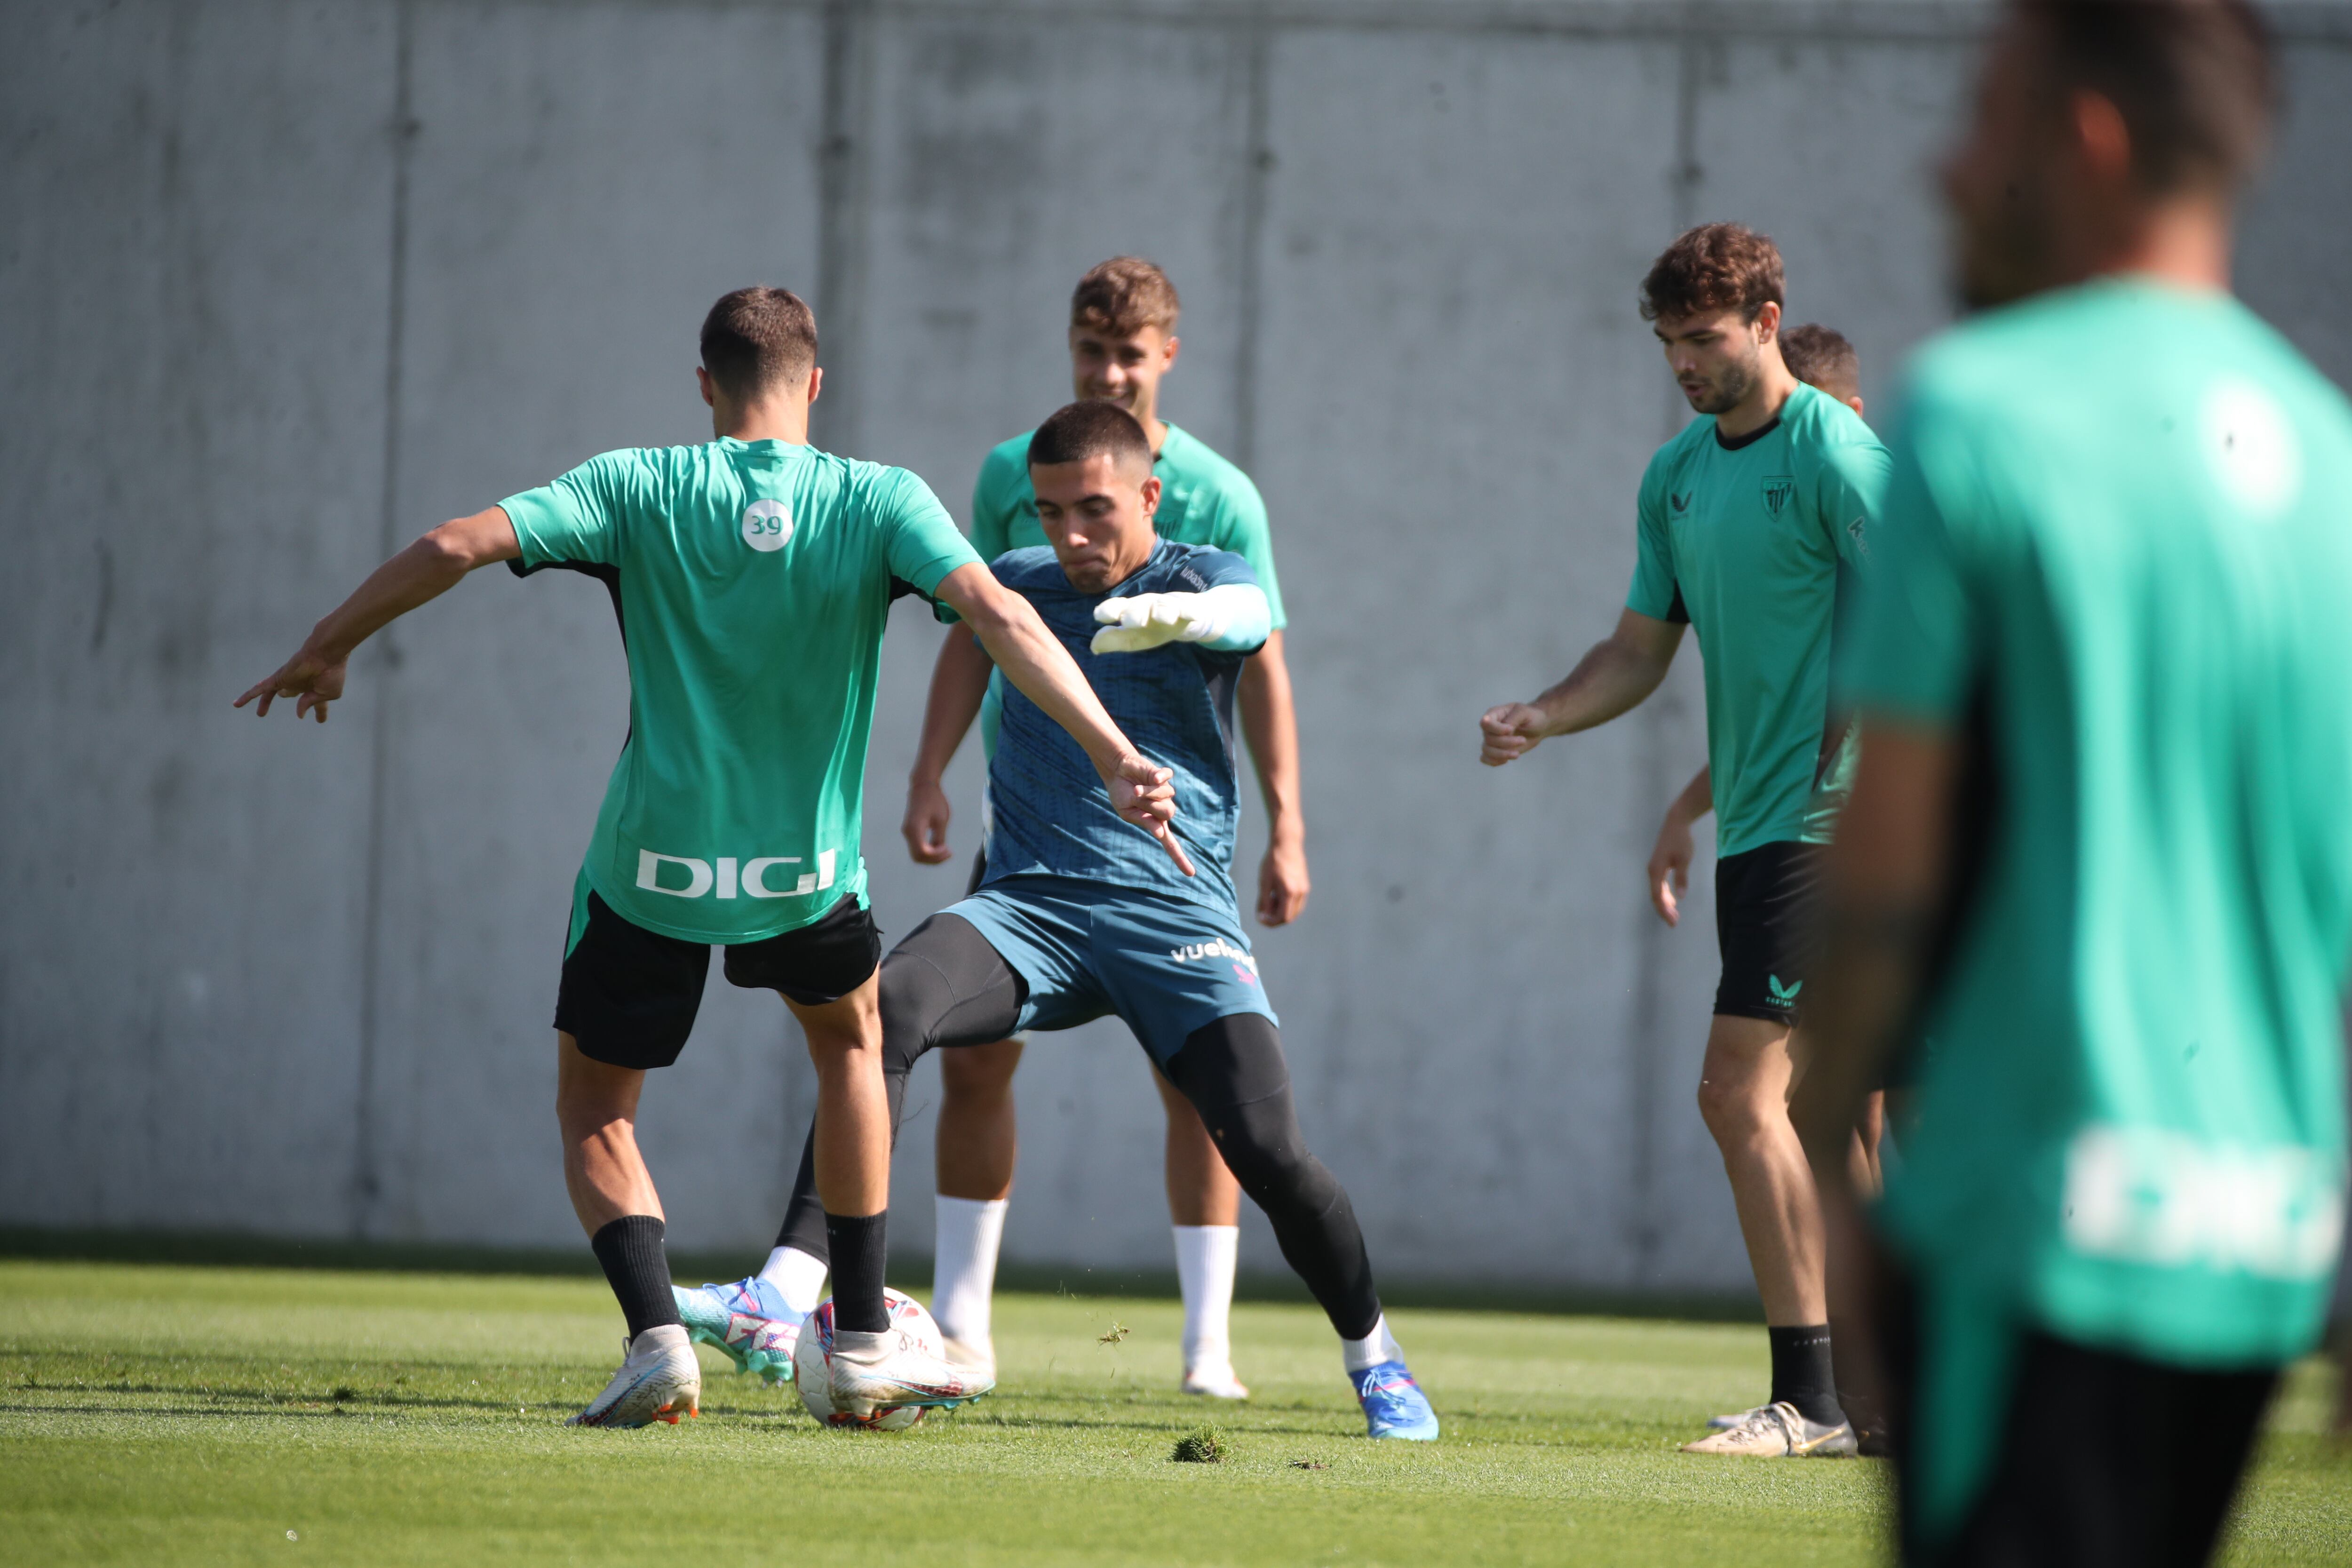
[753,575]
[2098,847]
[1075,921]
[1749,525]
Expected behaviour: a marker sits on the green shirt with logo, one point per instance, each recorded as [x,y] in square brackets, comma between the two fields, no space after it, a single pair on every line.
[1204,499]
[2116,556]
[1753,540]
[752,580]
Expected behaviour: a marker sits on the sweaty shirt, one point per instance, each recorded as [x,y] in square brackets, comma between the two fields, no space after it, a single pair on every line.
[1752,541]
[1049,814]
[752,580]
[2117,557]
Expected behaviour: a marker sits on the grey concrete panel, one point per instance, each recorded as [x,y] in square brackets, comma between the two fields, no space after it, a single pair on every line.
[1456,403]
[586,180]
[195,202]
[2292,263]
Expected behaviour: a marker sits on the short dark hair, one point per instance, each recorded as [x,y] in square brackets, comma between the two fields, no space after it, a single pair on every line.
[1094,428]
[755,339]
[2193,79]
[1714,266]
[1818,356]
[1123,296]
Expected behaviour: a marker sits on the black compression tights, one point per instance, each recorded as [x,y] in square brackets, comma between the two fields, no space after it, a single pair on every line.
[944,986]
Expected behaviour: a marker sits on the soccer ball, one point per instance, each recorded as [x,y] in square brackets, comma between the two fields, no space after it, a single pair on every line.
[812,1356]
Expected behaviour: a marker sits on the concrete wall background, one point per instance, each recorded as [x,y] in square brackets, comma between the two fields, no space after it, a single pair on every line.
[282,284]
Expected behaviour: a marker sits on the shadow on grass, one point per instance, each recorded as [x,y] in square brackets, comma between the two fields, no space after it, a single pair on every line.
[909,1272]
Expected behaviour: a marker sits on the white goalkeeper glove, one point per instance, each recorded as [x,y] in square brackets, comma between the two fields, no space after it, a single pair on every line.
[1143,621]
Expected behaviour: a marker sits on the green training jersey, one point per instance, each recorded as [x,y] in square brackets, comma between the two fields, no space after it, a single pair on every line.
[1204,499]
[1752,541]
[2116,557]
[752,580]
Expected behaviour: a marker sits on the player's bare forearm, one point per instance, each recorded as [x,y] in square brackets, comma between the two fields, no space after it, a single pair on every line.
[1696,799]
[1885,880]
[1270,722]
[1614,677]
[424,571]
[958,686]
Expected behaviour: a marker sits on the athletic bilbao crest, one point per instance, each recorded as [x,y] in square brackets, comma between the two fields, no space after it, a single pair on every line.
[1777,491]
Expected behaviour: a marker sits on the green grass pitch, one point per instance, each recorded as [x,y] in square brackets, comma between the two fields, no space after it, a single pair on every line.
[194,1414]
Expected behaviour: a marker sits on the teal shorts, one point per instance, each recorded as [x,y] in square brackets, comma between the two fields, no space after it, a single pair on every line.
[1166,967]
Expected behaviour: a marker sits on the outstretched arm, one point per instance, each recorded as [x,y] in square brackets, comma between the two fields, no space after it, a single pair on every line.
[424,571]
[958,685]
[1611,678]
[1032,660]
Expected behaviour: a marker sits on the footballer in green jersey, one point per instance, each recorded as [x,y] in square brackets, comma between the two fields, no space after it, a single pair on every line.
[1750,525]
[753,575]
[2098,848]
[1122,342]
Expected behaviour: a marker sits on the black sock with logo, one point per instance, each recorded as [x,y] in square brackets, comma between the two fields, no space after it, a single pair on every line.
[1802,1374]
[630,1249]
[858,1252]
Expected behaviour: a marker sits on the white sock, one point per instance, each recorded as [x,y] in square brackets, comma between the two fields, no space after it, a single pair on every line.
[963,1265]
[1206,1254]
[1374,1348]
[797,1277]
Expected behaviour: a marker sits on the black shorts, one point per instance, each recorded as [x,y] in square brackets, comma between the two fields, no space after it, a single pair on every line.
[2104,1459]
[629,996]
[1764,914]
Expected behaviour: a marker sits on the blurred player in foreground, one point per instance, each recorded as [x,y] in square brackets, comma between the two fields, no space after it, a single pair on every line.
[1078,918]
[753,575]
[1122,340]
[2099,849]
[1748,523]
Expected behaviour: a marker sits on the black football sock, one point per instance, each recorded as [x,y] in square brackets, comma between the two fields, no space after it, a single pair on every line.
[1802,1375]
[859,1253]
[630,1249]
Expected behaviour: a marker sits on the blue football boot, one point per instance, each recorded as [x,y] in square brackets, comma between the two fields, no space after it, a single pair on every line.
[747,1322]
[1394,1406]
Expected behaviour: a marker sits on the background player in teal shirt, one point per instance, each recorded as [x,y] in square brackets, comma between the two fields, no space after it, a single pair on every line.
[753,576]
[1122,339]
[1749,524]
[2099,847]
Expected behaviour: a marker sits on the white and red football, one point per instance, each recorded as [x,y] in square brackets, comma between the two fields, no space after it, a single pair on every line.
[812,1373]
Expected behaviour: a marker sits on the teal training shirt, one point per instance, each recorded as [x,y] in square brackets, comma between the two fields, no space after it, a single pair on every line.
[2117,560]
[2117,525]
[752,580]
[1753,541]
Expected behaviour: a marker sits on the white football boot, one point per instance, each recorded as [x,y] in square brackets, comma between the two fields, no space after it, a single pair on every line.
[1214,1381]
[887,1369]
[1778,1432]
[660,1380]
[975,1357]
[1735,1419]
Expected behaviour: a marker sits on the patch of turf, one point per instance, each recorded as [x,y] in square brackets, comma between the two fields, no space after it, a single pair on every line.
[1203,1444]
[202,1415]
